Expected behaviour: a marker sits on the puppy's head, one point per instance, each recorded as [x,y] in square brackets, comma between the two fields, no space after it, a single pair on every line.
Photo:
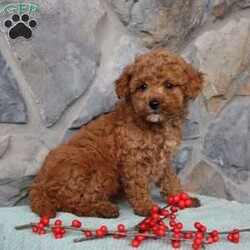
[159,84]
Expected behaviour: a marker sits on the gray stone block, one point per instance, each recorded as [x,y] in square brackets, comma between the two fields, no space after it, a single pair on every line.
[160,23]
[14,191]
[208,180]
[192,124]
[60,61]
[227,143]
[182,158]
[12,105]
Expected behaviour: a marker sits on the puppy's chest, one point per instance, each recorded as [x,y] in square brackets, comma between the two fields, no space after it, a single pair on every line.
[150,152]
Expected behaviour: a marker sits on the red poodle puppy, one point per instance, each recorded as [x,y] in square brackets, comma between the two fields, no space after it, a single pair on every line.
[127,150]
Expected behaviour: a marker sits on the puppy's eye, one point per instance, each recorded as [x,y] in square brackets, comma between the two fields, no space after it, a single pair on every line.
[143,86]
[169,85]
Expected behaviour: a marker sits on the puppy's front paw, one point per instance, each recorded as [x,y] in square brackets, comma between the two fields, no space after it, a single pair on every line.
[195,202]
[143,210]
[109,210]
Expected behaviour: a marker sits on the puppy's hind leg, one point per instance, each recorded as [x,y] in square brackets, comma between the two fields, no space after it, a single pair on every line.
[94,199]
[105,209]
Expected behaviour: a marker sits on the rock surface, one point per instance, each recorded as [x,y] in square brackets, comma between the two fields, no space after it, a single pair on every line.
[160,23]
[59,45]
[4,144]
[12,105]
[28,153]
[227,143]
[14,191]
[223,55]
[182,158]
[208,181]
[221,8]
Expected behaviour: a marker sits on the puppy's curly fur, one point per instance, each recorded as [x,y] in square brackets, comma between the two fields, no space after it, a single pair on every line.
[126,150]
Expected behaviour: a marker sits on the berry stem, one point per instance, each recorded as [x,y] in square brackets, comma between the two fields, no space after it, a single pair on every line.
[129,230]
[25,226]
[110,233]
[30,225]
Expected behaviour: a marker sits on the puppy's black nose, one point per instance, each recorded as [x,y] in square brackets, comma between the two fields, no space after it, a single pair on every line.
[154,104]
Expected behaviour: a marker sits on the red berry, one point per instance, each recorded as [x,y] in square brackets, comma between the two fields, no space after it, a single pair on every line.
[197,241]
[176,229]
[230,237]
[188,235]
[173,209]
[184,196]
[44,217]
[203,229]
[175,243]
[170,200]
[199,235]
[99,233]
[161,233]
[63,231]
[214,233]
[197,225]
[58,222]
[40,225]
[57,230]
[176,235]
[164,212]
[121,227]
[58,235]
[104,229]
[162,227]
[209,240]
[181,204]
[172,223]
[176,198]
[44,220]
[139,238]
[35,229]
[116,236]
[179,225]
[196,247]
[216,238]
[155,216]
[135,243]
[142,227]
[87,233]
[188,203]
[155,209]
[172,216]
[76,224]
[236,236]
[42,231]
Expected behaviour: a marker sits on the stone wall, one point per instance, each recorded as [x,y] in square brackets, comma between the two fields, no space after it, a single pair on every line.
[63,77]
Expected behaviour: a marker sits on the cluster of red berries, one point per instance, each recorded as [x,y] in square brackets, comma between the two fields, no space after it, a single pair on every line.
[181,201]
[154,226]
[234,236]
[39,228]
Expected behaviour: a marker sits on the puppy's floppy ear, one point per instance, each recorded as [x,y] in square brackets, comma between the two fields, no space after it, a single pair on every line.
[195,82]
[122,83]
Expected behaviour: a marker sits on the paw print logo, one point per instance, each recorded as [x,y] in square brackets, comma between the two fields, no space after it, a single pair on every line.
[20,26]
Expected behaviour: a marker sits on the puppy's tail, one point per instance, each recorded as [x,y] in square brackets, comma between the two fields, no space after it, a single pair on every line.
[40,203]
